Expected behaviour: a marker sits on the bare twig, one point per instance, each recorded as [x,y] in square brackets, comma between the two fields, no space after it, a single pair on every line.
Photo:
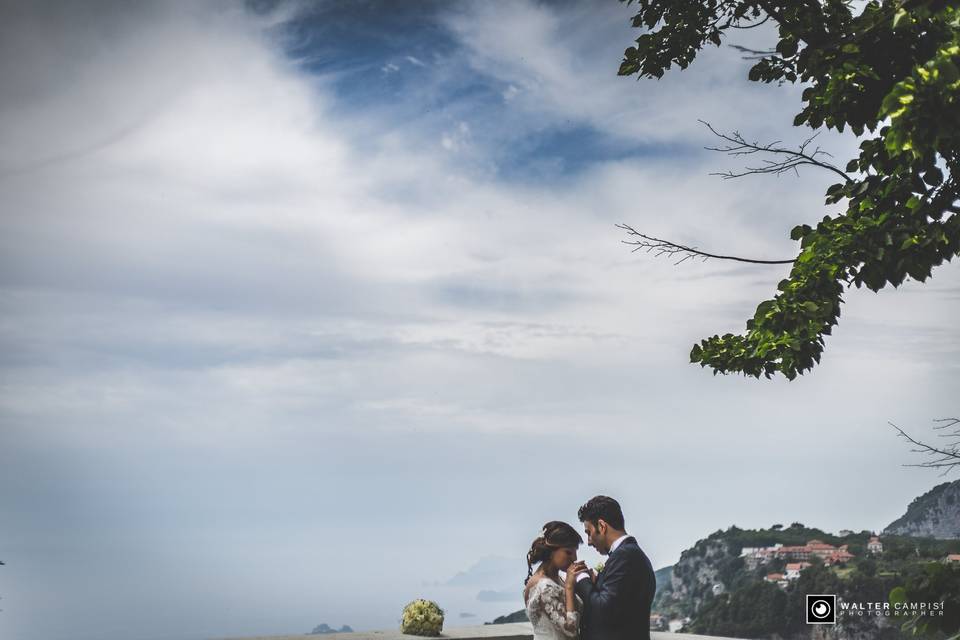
[737,145]
[946,457]
[947,424]
[666,247]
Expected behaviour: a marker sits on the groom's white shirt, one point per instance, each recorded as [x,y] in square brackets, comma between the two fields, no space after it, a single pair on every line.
[616,543]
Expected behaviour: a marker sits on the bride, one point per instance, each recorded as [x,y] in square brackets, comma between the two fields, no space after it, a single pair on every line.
[552,605]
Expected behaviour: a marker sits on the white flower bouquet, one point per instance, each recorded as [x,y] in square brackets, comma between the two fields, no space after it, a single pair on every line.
[422,618]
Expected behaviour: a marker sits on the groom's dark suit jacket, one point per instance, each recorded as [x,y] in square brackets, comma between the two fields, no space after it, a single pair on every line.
[617,606]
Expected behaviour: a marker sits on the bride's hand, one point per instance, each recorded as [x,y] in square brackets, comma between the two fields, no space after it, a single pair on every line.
[572,571]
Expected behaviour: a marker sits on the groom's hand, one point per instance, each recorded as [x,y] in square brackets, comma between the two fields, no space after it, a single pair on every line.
[581,571]
[581,567]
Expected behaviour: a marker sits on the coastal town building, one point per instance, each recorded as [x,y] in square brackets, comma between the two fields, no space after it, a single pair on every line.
[875,546]
[793,569]
[953,558]
[840,556]
[777,579]
[659,622]
[826,553]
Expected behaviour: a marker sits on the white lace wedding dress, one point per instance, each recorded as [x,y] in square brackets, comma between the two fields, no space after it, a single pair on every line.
[547,611]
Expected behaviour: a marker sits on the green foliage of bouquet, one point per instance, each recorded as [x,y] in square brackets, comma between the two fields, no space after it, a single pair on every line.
[422,618]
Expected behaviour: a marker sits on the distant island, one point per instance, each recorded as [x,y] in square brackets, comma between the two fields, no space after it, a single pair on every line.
[516,616]
[323,628]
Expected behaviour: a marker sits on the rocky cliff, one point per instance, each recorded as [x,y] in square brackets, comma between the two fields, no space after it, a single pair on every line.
[703,571]
[935,514]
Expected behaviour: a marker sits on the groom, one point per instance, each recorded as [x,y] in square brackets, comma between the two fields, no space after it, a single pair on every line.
[616,603]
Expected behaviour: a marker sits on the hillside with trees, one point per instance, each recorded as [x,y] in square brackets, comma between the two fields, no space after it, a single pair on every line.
[717,591]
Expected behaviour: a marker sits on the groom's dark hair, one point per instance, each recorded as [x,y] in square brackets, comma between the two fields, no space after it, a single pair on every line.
[602,508]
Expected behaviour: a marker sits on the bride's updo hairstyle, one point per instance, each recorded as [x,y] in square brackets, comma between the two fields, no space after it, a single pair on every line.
[555,535]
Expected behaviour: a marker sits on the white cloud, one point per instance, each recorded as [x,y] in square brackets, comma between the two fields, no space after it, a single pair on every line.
[232,316]
[563,65]
[456,139]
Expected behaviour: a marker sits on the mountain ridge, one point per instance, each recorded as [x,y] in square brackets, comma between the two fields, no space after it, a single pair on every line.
[935,514]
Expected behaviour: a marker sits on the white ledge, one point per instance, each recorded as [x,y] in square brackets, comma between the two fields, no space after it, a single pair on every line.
[512,631]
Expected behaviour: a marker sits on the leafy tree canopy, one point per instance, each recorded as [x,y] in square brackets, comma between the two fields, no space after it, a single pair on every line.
[889,73]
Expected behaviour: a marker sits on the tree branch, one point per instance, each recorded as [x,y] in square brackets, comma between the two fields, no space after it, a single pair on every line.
[946,457]
[750,26]
[753,54]
[666,247]
[738,146]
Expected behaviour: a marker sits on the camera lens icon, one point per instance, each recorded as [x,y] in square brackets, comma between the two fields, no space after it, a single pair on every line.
[821,609]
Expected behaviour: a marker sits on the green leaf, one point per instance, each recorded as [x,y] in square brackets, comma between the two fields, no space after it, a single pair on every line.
[900,18]
[898,595]
[909,242]
[933,177]
[787,47]
[948,71]
[696,353]
[836,189]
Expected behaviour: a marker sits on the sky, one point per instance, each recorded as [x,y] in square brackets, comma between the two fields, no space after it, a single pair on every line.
[308,310]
